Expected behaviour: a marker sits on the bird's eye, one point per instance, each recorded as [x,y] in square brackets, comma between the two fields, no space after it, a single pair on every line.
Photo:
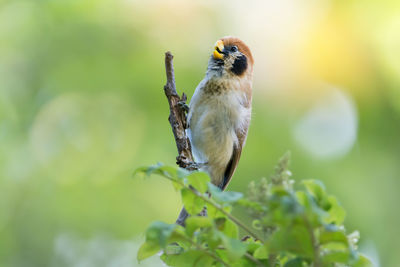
[234,48]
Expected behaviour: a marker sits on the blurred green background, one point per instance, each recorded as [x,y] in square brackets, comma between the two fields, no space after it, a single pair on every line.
[82,106]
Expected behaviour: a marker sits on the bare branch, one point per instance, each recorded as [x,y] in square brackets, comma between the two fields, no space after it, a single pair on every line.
[177,117]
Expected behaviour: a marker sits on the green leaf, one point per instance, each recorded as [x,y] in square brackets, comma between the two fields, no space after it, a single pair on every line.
[182,173]
[179,236]
[147,249]
[177,186]
[252,245]
[336,212]
[313,212]
[195,222]
[317,190]
[175,174]
[212,237]
[173,249]
[261,253]
[199,180]
[295,239]
[243,262]
[170,172]
[223,255]
[347,256]
[296,262]
[193,204]
[227,227]
[214,213]
[331,234]
[234,247]
[159,232]
[195,258]
[223,196]
[362,262]
[302,198]
[336,257]
[287,218]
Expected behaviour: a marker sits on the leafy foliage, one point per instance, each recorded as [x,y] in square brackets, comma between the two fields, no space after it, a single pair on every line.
[290,228]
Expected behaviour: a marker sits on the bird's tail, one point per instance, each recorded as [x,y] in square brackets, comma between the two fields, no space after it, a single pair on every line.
[182,217]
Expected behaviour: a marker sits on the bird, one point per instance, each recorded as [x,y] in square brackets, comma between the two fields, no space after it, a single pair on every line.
[220,112]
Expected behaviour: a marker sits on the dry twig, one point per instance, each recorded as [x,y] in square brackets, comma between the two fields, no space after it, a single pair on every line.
[177,117]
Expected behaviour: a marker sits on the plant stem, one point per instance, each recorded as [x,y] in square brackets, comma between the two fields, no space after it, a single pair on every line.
[227,214]
[314,242]
[218,207]
[272,260]
[250,257]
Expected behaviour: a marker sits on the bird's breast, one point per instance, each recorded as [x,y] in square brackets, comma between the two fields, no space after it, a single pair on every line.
[214,122]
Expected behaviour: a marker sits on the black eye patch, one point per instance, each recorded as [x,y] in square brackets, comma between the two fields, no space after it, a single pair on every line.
[240,65]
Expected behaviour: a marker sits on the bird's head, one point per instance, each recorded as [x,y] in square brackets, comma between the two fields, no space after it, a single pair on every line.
[231,57]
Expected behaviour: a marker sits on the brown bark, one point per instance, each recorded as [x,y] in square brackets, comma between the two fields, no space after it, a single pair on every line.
[177,117]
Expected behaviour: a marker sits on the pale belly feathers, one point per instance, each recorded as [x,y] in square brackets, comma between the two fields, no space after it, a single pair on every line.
[213,126]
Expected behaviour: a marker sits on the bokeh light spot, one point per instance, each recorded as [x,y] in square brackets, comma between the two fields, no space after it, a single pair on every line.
[329,128]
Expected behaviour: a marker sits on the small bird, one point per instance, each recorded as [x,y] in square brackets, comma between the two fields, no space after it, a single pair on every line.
[220,111]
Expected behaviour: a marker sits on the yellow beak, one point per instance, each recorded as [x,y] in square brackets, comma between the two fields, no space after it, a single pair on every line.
[219,47]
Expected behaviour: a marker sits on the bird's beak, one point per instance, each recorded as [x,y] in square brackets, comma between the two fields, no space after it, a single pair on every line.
[218,50]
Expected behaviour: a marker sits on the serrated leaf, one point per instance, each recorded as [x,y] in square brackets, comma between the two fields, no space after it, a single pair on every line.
[193,204]
[223,196]
[199,180]
[147,249]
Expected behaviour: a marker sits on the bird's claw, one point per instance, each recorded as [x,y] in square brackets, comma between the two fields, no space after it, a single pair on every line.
[195,165]
[183,106]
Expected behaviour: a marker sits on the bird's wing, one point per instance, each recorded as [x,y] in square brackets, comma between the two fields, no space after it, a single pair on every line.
[237,151]
[241,134]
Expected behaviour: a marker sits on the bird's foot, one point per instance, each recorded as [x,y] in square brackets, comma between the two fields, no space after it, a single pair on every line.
[182,105]
[196,165]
